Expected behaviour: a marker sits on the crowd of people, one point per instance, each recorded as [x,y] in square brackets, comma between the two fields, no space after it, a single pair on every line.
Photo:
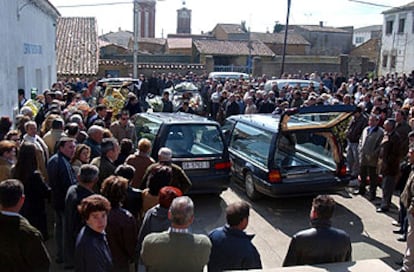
[116,209]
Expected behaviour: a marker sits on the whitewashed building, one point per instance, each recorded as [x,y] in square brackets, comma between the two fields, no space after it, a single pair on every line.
[27,49]
[397,50]
[364,34]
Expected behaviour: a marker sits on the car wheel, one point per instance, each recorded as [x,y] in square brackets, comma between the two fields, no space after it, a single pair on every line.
[251,191]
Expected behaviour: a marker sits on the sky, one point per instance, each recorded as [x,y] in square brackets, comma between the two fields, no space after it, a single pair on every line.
[260,15]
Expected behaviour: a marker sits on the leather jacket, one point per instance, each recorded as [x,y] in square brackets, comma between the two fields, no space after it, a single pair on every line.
[319,244]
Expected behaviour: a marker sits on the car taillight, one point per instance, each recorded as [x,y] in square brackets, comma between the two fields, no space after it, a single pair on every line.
[222,165]
[274,176]
[342,171]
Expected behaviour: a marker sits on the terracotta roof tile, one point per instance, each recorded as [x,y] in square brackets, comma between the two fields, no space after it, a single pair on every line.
[174,43]
[120,37]
[231,28]
[77,46]
[278,38]
[159,41]
[317,28]
[233,48]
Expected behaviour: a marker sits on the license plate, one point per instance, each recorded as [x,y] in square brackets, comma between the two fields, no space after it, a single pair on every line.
[196,165]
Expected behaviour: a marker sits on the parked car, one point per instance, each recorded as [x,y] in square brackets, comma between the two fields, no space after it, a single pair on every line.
[185,91]
[302,83]
[296,153]
[197,144]
[117,82]
[223,76]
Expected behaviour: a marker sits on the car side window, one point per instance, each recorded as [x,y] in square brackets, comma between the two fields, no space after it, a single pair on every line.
[251,142]
[306,148]
[146,128]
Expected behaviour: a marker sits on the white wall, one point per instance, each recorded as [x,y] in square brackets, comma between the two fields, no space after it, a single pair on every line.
[400,45]
[27,41]
[364,35]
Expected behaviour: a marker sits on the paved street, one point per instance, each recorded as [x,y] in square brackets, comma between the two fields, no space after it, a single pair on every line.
[274,221]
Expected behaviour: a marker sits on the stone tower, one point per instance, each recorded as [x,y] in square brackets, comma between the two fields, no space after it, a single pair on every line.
[146,18]
[184,20]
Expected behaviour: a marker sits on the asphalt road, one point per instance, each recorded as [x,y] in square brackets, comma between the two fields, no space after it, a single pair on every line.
[274,221]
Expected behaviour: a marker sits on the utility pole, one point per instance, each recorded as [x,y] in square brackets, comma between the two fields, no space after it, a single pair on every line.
[136,37]
[282,68]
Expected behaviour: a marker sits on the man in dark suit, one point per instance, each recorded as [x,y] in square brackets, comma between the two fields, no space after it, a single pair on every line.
[321,243]
[88,176]
[21,246]
[105,163]
[232,248]
[61,177]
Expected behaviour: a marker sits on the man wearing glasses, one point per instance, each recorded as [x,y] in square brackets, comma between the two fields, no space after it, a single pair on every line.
[124,128]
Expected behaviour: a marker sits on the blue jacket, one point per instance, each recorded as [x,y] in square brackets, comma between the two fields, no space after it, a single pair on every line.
[92,252]
[61,177]
[232,249]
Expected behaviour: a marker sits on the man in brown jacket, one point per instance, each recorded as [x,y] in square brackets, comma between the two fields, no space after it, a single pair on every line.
[140,161]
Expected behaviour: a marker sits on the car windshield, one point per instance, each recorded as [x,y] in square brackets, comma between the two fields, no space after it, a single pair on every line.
[194,140]
[306,149]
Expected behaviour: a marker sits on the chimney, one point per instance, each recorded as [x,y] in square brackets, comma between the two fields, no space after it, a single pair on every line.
[321,23]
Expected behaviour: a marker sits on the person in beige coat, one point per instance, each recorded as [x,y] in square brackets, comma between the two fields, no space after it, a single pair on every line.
[369,147]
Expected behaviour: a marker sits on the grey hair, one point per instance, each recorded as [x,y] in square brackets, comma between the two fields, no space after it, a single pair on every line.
[164,154]
[25,110]
[182,210]
[29,123]
[94,129]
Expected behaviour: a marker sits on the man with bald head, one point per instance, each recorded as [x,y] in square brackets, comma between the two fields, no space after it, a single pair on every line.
[177,249]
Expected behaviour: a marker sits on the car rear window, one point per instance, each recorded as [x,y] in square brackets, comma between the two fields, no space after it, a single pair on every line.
[194,140]
[306,149]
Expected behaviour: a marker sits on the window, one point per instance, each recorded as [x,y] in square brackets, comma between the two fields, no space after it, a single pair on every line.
[393,61]
[412,16]
[388,27]
[305,149]
[194,140]
[147,128]
[251,143]
[359,39]
[401,24]
[384,61]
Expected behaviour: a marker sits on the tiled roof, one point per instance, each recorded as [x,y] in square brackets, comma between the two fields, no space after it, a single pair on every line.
[233,48]
[231,28]
[368,28]
[317,28]
[174,43]
[77,46]
[278,38]
[120,37]
[409,6]
[158,41]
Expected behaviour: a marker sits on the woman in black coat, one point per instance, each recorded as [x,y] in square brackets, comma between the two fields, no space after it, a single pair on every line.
[35,189]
